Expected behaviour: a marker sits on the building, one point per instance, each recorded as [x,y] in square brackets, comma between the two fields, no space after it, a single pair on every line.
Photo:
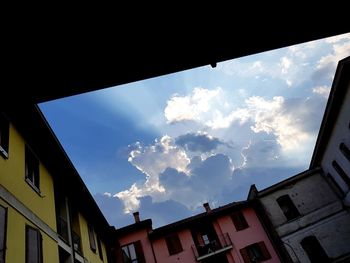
[310,211]
[46,212]
[231,233]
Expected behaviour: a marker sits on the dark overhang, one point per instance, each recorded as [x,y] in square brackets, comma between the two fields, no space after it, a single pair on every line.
[42,62]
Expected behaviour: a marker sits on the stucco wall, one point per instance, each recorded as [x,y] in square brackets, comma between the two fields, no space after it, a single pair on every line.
[340,134]
[332,233]
[308,195]
[142,236]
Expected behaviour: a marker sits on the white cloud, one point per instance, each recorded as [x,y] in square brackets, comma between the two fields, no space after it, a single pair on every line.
[269,116]
[340,51]
[107,194]
[285,64]
[338,38]
[191,107]
[152,160]
[322,90]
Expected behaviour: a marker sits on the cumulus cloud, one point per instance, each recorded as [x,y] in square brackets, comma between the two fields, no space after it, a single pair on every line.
[191,107]
[340,50]
[152,160]
[198,142]
[171,175]
[285,119]
[322,90]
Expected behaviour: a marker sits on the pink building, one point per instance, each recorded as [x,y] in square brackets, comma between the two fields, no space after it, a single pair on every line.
[231,233]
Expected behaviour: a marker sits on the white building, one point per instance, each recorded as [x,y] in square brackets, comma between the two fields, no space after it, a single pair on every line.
[309,213]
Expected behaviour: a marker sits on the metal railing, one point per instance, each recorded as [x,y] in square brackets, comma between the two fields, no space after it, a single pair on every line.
[220,244]
[76,242]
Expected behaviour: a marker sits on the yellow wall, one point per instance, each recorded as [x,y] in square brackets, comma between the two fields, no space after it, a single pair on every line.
[85,243]
[12,177]
[15,238]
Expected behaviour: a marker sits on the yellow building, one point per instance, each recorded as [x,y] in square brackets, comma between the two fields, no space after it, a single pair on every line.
[46,212]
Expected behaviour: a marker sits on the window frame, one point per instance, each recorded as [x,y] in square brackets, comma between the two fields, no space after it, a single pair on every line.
[92,239]
[4,136]
[173,244]
[32,169]
[139,256]
[239,220]
[99,247]
[3,249]
[292,212]
[39,244]
[259,247]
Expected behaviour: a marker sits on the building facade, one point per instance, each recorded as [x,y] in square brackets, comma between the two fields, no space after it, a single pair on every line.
[42,216]
[308,217]
[232,233]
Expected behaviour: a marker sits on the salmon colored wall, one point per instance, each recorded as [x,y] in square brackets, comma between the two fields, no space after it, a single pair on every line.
[186,256]
[253,234]
[141,235]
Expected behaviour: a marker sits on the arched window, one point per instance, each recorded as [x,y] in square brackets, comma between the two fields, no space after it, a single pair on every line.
[287,206]
[314,250]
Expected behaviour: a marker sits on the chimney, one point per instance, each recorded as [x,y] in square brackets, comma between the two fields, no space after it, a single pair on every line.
[207,207]
[136,217]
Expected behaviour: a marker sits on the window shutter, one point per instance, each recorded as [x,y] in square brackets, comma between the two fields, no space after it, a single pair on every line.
[3,218]
[264,250]
[245,255]
[239,220]
[139,252]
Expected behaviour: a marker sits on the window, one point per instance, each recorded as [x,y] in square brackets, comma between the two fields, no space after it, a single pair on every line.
[33,245]
[99,246]
[255,253]
[92,238]
[314,250]
[205,239]
[239,221]
[4,136]
[3,221]
[288,207]
[335,185]
[32,169]
[173,243]
[341,173]
[345,150]
[132,253]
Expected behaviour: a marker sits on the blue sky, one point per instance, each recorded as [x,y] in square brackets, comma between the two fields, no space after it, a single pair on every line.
[166,145]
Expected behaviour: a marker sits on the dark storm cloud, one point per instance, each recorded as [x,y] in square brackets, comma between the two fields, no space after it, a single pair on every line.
[198,142]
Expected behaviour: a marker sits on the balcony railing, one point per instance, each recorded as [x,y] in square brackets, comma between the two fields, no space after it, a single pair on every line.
[76,242]
[214,247]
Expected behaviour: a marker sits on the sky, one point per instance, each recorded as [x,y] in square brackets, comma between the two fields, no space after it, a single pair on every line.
[166,145]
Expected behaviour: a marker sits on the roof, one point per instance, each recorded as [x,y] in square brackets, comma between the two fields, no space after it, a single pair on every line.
[32,125]
[291,180]
[189,221]
[143,224]
[336,99]
[49,60]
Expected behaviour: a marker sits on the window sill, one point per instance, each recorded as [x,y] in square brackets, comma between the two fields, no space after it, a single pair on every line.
[4,153]
[36,189]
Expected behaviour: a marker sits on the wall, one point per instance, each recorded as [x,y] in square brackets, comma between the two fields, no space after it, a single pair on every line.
[312,196]
[12,177]
[88,254]
[253,234]
[15,238]
[322,215]
[340,133]
[141,235]
[186,256]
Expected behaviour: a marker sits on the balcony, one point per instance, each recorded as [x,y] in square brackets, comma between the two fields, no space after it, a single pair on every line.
[214,247]
[76,242]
